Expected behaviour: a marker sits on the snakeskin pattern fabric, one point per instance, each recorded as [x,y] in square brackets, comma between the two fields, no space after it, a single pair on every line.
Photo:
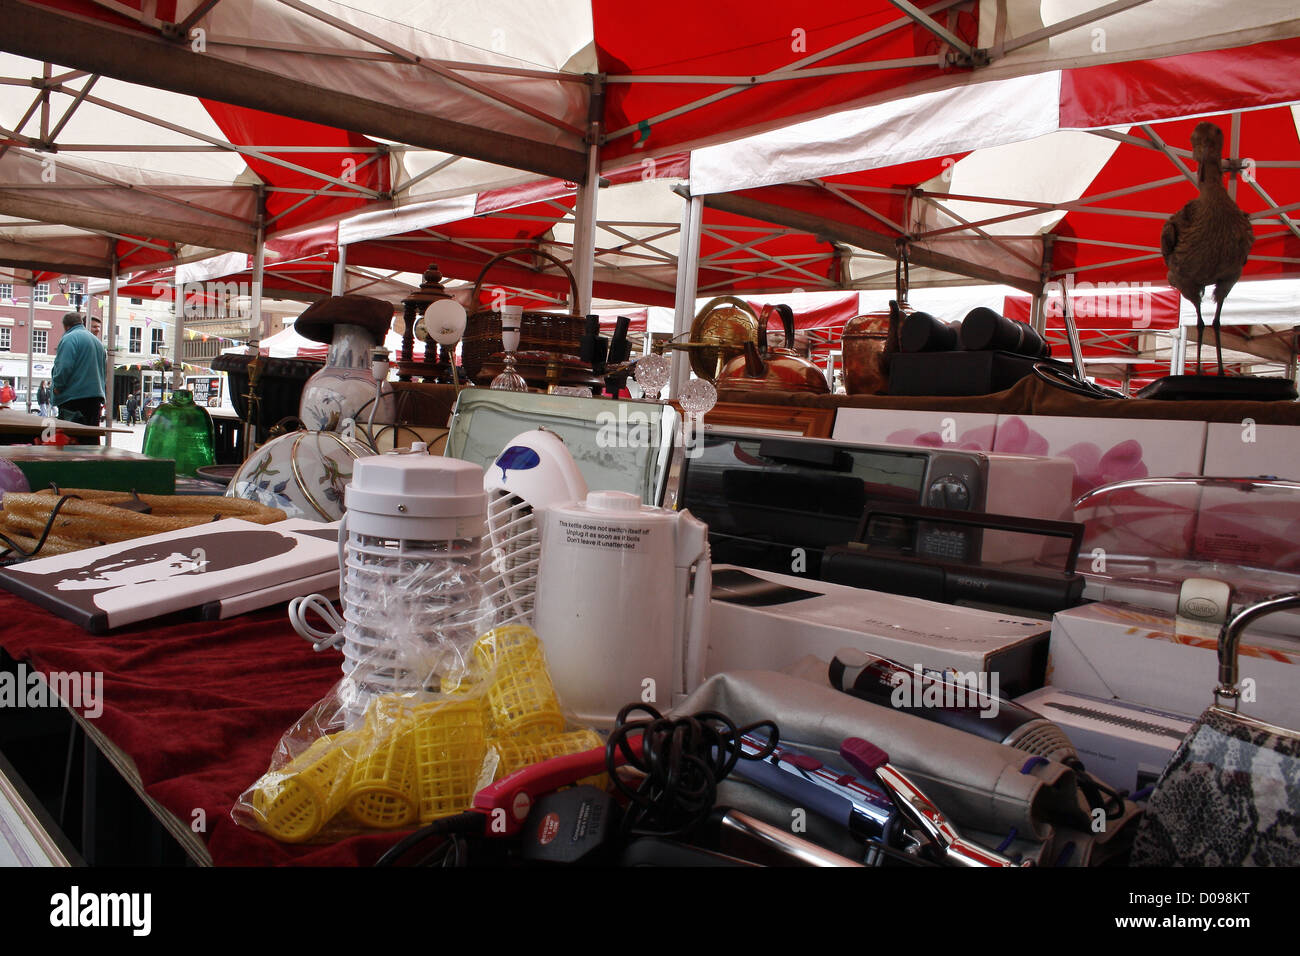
[1229,797]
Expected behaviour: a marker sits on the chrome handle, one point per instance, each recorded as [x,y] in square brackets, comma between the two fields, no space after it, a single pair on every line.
[1230,639]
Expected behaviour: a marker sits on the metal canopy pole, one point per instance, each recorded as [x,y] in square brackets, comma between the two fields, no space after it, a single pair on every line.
[1178,354]
[584,229]
[178,337]
[256,333]
[1067,312]
[1038,313]
[31,336]
[259,268]
[688,263]
[1072,335]
[339,285]
[110,331]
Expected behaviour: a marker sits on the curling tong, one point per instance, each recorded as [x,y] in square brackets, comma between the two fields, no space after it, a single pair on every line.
[938,837]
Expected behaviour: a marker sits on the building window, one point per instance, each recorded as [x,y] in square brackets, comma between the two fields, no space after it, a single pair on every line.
[6,338]
[40,341]
[42,292]
[77,288]
[6,290]
[135,339]
[155,341]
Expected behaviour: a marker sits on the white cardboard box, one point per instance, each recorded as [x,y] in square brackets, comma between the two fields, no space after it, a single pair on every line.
[1122,744]
[1246,450]
[1114,651]
[1106,450]
[938,429]
[904,629]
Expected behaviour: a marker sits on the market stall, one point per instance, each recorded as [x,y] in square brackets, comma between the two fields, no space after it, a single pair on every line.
[946,624]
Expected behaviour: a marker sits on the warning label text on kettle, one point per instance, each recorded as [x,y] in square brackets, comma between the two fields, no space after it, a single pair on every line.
[603,535]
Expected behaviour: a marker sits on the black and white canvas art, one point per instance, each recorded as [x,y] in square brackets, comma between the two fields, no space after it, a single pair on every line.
[127,582]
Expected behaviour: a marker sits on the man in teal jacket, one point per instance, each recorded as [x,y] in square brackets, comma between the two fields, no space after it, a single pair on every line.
[78,377]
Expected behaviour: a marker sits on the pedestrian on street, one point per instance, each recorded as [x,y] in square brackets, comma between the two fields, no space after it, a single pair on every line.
[79,364]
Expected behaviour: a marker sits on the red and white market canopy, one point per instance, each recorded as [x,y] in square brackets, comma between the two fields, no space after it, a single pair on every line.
[274,114]
[1029,180]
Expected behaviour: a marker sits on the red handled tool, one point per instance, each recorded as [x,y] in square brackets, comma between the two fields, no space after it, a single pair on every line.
[502,809]
[508,801]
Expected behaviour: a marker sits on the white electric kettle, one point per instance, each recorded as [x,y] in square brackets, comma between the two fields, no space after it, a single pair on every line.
[612,599]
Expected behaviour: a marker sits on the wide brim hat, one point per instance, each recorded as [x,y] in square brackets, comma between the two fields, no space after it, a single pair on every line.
[317,323]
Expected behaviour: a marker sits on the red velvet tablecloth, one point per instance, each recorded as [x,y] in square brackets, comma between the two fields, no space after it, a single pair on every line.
[199,707]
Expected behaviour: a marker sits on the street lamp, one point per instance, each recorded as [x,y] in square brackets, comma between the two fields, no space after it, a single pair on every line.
[75,299]
[162,358]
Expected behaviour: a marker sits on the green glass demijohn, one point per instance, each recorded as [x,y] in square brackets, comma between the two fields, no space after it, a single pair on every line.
[182,431]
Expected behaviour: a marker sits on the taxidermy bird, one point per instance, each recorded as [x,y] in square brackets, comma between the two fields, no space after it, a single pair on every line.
[1207,242]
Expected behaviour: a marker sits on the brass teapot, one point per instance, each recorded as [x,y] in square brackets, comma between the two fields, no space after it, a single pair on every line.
[773,369]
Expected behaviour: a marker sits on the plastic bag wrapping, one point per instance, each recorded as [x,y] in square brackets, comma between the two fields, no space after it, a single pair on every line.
[415,756]
[411,611]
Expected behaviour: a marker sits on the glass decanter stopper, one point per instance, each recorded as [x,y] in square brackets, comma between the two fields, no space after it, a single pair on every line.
[652,374]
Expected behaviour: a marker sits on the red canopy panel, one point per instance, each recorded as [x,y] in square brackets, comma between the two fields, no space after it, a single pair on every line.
[461,249]
[640,319]
[1267,135]
[823,203]
[735,251]
[831,314]
[720,40]
[162,9]
[370,170]
[1116,307]
[148,284]
[319,240]
[1215,81]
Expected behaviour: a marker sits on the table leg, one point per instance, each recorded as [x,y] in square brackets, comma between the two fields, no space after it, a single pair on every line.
[89,803]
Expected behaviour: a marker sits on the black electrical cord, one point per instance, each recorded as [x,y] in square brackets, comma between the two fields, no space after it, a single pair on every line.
[462,824]
[1098,794]
[13,546]
[683,760]
[450,853]
[1060,378]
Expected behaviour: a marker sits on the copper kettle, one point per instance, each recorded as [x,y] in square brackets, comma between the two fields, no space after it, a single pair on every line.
[773,369]
[868,343]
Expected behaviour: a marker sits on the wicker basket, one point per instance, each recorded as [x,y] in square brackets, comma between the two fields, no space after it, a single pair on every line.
[539,331]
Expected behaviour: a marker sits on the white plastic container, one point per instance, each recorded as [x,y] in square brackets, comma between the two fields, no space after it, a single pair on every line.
[613,594]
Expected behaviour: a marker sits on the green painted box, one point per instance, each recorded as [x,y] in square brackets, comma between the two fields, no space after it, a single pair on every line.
[89,466]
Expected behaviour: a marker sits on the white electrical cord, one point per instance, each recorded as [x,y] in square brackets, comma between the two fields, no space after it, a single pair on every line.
[379,372]
[323,606]
[298,609]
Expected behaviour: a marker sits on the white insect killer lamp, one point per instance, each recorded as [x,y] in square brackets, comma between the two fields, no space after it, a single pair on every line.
[410,560]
